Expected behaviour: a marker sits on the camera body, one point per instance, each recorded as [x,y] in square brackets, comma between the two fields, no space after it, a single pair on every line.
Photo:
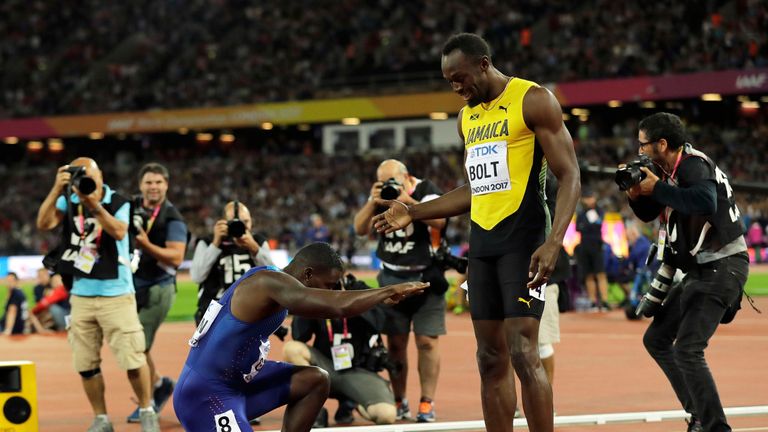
[445,260]
[86,185]
[390,189]
[235,228]
[631,174]
[378,359]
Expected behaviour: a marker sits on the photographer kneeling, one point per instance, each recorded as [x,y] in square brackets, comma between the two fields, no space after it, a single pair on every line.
[350,350]
[701,234]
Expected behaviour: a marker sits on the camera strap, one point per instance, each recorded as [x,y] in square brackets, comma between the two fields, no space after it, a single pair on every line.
[329,327]
[664,216]
[152,218]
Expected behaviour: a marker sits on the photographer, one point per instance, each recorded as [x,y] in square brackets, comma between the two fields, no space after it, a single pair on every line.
[406,255]
[161,240]
[221,260]
[354,378]
[95,255]
[701,234]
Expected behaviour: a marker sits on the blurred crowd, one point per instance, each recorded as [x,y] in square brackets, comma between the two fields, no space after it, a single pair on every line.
[90,56]
[283,192]
[285,186]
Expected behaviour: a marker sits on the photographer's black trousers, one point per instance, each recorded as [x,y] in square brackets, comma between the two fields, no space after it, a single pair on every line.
[681,330]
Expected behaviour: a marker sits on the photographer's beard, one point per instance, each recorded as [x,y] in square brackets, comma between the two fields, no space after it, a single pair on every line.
[153,199]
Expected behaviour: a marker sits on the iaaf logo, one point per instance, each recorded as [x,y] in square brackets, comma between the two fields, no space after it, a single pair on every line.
[751,81]
[483,150]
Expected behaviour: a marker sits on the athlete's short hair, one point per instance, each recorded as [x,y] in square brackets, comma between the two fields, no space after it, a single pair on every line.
[664,125]
[470,44]
[320,256]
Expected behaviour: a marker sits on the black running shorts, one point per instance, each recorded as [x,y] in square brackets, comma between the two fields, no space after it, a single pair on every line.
[497,287]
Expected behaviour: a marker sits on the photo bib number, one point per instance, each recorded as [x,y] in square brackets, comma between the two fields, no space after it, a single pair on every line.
[487,168]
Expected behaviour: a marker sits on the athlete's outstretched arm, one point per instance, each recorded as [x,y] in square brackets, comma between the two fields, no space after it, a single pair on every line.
[289,293]
[399,215]
[543,115]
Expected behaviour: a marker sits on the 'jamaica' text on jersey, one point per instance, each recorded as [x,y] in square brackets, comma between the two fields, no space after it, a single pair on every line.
[487,131]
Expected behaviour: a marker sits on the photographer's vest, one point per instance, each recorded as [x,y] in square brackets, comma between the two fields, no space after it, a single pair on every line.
[507,173]
[232,263]
[95,238]
[149,269]
[693,237]
[409,249]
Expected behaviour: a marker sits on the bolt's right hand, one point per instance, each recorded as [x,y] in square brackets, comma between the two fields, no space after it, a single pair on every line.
[405,290]
[219,232]
[62,179]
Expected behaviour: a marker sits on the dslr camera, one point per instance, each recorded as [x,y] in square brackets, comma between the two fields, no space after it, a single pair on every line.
[390,189]
[378,359]
[445,260]
[236,227]
[86,185]
[631,174]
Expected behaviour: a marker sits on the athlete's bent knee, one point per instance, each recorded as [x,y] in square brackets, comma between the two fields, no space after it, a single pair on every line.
[90,373]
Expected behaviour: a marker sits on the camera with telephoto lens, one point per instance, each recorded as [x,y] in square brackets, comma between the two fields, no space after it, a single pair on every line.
[390,189]
[445,260]
[236,227]
[653,300]
[82,182]
[631,174]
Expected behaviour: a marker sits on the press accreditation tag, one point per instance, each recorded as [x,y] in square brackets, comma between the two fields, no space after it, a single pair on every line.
[342,356]
[662,242]
[85,260]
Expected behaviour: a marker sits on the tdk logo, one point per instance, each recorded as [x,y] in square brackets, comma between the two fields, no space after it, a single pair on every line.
[485,150]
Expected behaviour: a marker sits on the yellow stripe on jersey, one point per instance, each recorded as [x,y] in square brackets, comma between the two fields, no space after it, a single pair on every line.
[491,131]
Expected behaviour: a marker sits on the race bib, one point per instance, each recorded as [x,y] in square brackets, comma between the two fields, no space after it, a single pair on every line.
[85,260]
[213,310]
[342,356]
[226,422]
[487,168]
[258,364]
[538,293]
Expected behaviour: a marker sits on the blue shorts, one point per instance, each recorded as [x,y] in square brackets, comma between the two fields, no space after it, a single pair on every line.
[203,404]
